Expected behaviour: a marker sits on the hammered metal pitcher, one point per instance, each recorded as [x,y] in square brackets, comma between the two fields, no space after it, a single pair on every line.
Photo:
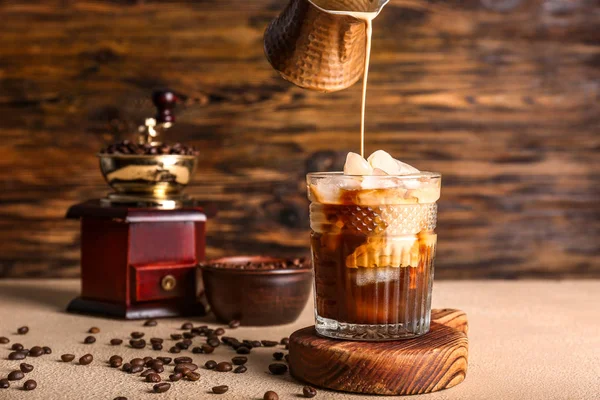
[320,44]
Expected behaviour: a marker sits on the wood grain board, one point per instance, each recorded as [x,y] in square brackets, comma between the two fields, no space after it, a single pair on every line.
[435,361]
[500,96]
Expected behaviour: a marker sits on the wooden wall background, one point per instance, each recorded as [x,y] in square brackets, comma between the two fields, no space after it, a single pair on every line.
[501,96]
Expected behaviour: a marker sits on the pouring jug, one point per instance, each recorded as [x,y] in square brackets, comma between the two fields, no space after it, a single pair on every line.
[321,44]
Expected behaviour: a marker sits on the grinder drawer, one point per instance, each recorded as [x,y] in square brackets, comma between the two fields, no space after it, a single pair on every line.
[159,282]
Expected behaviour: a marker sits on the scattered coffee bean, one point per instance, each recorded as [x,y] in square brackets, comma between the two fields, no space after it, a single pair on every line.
[147,359]
[309,391]
[67,357]
[224,367]
[210,364]
[151,322]
[153,377]
[179,360]
[176,336]
[155,364]
[86,359]
[207,349]
[248,344]
[220,389]
[15,376]
[278,368]
[192,376]
[285,341]
[116,342]
[127,147]
[157,346]
[189,335]
[4,340]
[94,329]
[23,330]
[147,372]
[161,387]
[175,377]
[137,361]
[137,343]
[127,367]
[115,361]
[17,346]
[174,350]
[239,360]
[197,350]
[182,345]
[4,384]
[269,343]
[234,324]
[137,335]
[89,340]
[156,340]
[136,368]
[183,366]
[165,360]
[271,395]
[26,367]
[36,351]
[17,355]
[219,331]
[240,369]
[30,384]
[187,325]
[278,356]
[256,343]
[120,398]
[243,350]
[47,350]
[213,342]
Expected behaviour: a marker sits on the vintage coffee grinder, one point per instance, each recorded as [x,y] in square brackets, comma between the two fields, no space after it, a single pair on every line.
[141,244]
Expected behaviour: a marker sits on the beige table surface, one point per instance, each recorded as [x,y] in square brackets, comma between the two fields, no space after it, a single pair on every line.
[528,340]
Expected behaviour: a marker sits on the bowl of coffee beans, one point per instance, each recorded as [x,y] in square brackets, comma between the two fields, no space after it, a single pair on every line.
[156,170]
[257,290]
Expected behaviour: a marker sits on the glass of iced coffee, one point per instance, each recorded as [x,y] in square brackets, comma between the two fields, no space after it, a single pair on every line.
[373,247]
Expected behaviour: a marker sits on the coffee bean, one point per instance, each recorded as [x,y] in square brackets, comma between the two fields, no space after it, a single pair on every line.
[224,366]
[256,343]
[269,343]
[151,322]
[15,376]
[30,384]
[271,395]
[137,361]
[234,324]
[197,350]
[285,341]
[47,350]
[165,360]
[182,345]
[161,387]
[207,349]
[243,350]
[210,364]
[174,350]
[94,329]
[192,376]
[278,356]
[227,340]
[213,342]
[182,366]
[127,367]
[147,372]
[26,367]
[147,359]
[4,384]
[155,364]
[120,398]
[17,346]
[179,360]
[115,361]
[309,391]
[23,330]
[137,335]
[220,389]
[86,359]
[157,346]
[136,368]
[187,325]
[175,377]
[137,343]
[89,340]
[240,370]
[153,377]
[4,340]
[219,331]
[278,368]
[156,340]
[176,336]
[239,360]
[36,351]
[248,344]
[189,335]
[17,355]
[116,342]
[67,357]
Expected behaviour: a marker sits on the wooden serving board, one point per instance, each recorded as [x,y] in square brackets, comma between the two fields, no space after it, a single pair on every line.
[432,362]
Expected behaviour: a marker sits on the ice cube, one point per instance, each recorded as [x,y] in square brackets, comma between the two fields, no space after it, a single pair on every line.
[357,165]
[382,160]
